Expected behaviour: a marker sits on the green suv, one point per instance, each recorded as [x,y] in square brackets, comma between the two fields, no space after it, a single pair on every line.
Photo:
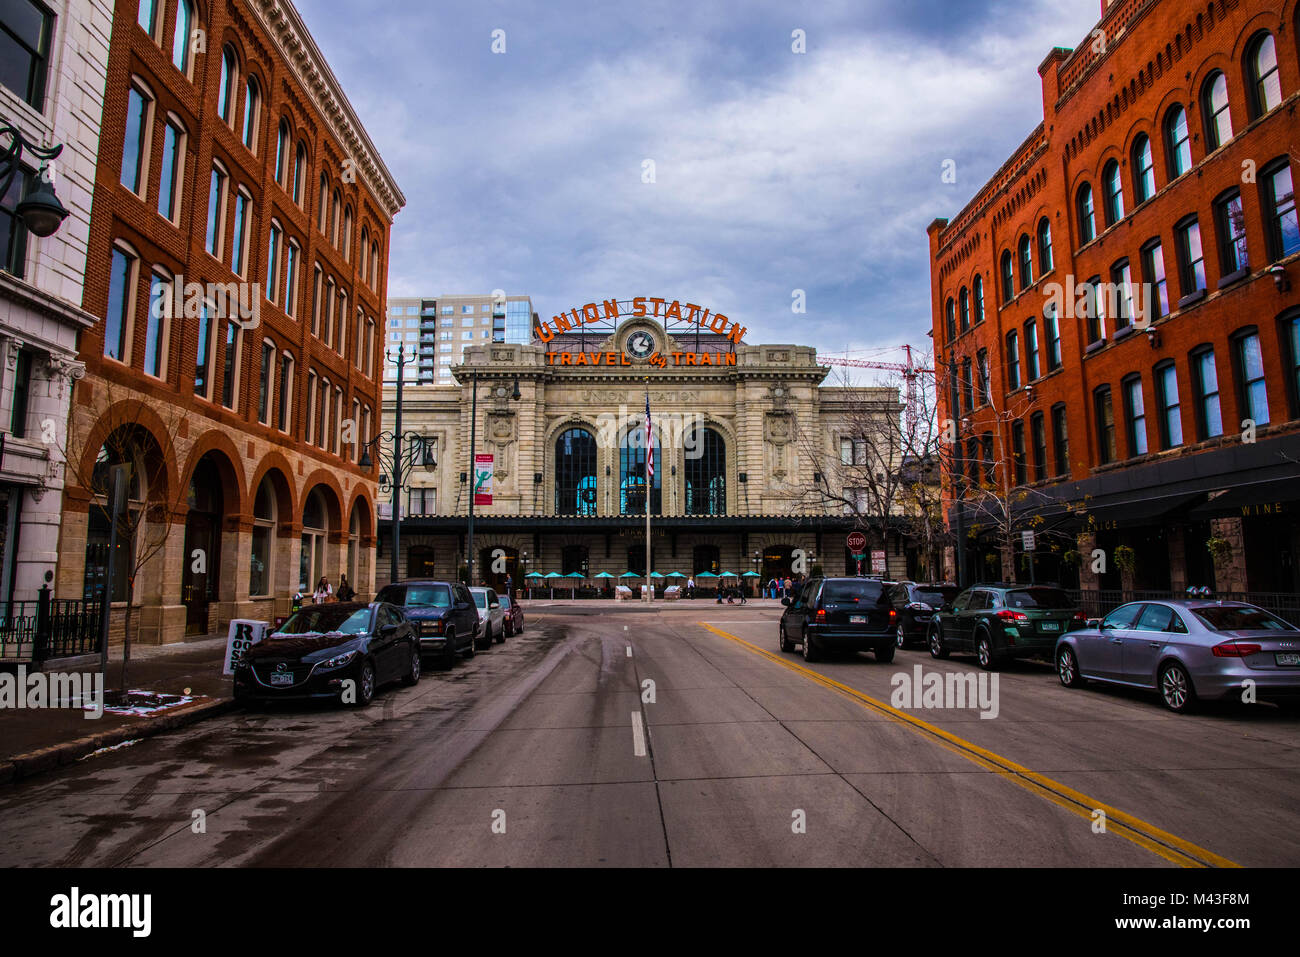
[1003,621]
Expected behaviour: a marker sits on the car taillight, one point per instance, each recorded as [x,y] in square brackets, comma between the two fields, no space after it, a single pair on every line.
[1236,649]
[1079,616]
[893,613]
[821,614]
[1006,614]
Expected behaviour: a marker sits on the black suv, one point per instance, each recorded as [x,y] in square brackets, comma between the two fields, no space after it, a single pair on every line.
[853,614]
[916,604]
[442,612]
[1002,621]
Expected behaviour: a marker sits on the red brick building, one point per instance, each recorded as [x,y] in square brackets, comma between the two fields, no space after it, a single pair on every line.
[1165,162]
[237,264]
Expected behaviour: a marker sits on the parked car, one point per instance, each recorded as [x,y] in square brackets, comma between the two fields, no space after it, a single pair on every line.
[514,615]
[491,616]
[1002,621]
[916,604]
[852,614]
[1186,649]
[321,648]
[442,613]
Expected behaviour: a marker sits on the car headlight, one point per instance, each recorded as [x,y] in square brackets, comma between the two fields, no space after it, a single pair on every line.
[338,661]
[433,627]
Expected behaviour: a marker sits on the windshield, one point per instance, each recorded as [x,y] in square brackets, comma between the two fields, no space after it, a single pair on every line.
[859,591]
[1038,598]
[505,602]
[323,619]
[1238,618]
[417,596]
[480,598]
[935,597]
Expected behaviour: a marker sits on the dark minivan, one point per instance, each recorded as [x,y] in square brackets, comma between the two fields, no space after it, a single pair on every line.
[916,604]
[852,614]
[443,614]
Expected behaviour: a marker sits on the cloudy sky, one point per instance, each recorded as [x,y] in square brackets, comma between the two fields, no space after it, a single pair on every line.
[773,171]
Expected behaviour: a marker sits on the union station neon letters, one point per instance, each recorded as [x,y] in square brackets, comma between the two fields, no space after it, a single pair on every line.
[608,311]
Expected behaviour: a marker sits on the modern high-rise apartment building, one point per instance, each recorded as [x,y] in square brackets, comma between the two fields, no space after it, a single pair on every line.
[439,330]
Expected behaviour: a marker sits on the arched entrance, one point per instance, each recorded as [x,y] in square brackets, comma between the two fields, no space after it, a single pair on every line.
[778,562]
[202,556]
[315,537]
[495,562]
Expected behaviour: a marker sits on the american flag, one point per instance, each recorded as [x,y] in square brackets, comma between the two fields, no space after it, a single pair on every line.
[649,445]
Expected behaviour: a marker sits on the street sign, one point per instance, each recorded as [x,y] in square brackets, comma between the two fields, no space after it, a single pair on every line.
[878,562]
[244,633]
[1027,540]
[856,541]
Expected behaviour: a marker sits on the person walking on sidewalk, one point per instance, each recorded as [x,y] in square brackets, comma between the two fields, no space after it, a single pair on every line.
[323,591]
[346,592]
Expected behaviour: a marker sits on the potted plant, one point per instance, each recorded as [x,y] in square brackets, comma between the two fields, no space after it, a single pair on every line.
[1125,558]
[1220,550]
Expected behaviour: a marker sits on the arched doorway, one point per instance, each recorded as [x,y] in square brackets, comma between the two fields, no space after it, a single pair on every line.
[778,562]
[202,555]
[315,537]
[495,562]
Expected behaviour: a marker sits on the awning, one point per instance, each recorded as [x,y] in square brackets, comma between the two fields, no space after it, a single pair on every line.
[1137,511]
[1253,499]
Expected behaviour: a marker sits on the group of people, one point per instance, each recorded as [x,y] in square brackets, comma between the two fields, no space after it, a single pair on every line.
[781,588]
[326,592]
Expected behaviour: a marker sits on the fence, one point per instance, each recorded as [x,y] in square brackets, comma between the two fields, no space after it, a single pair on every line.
[48,628]
[1096,604]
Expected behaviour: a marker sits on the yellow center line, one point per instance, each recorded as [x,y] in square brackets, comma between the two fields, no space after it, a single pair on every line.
[1170,847]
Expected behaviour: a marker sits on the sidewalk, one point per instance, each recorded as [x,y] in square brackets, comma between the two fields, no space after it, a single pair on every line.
[35,740]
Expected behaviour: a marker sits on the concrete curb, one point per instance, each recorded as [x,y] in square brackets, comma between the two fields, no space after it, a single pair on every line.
[45,759]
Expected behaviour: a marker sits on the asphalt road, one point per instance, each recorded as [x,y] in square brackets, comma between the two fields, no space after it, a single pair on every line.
[552,750]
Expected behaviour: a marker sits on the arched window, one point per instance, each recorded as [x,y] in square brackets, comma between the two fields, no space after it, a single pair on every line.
[1044,246]
[182,51]
[259,570]
[1262,78]
[1144,169]
[1008,277]
[282,154]
[950,317]
[575,473]
[252,106]
[1214,104]
[979,299]
[632,478]
[1178,144]
[365,254]
[1026,262]
[335,217]
[964,299]
[374,265]
[226,92]
[1087,215]
[157,324]
[299,172]
[315,532]
[347,234]
[706,473]
[1114,188]
[323,201]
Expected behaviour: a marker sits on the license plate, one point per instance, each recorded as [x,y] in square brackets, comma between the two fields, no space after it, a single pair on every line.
[857,619]
[1050,625]
[281,679]
[1287,658]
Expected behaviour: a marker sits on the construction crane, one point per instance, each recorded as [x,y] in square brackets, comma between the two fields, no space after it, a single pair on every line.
[910,371]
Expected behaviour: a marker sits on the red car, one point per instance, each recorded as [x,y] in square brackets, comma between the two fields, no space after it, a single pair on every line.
[514,615]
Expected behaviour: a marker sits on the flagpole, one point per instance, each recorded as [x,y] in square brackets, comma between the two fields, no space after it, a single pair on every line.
[649,447]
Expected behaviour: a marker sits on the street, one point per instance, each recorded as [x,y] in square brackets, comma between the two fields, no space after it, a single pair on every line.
[680,736]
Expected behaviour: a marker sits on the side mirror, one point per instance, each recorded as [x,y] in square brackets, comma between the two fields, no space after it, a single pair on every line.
[1094,622]
[785,601]
[1107,626]
[495,604]
[462,605]
[387,630]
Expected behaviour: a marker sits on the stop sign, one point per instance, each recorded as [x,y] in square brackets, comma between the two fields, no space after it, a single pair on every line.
[856,541]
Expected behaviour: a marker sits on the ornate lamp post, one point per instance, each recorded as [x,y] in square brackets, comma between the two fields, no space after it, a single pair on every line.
[41,212]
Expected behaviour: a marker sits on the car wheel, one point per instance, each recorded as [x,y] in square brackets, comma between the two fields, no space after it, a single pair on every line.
[501,635]
[885,654]
[1176,688]
[984,653]
[469,645]
[510,628]
[937,649]
[900,636]
[486,642]
[810,651]
[365,685]
[1067,668]
[413,676]
[786,644]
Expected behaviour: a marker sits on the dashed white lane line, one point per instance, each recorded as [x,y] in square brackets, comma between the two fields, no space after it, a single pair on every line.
[638,735]
[629,651]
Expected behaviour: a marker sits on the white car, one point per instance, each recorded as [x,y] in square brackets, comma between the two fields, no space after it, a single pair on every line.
[491,615]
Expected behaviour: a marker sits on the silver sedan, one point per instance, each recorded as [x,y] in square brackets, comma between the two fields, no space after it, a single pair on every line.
[1186,649]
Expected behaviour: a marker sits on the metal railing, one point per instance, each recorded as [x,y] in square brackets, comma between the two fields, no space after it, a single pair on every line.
[48,628]
[1098,603]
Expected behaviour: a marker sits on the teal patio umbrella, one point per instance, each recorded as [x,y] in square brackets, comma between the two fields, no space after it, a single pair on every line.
[573,586]
[551,575]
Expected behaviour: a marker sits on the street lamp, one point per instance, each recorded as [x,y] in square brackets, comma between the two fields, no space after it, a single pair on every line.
[399,462]
[523,573]
[956,478]
[515,395]
[758,582]
[41,212]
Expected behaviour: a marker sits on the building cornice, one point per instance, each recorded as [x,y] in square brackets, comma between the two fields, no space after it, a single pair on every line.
[24,294]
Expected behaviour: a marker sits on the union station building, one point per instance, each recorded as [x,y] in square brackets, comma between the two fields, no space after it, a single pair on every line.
[563,419]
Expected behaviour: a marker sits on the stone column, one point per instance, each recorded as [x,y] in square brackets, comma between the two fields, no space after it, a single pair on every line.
[1089,580]
[1176,543]
[1230,576]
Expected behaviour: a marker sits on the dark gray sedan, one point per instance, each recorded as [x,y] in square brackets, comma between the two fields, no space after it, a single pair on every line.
[1187,649]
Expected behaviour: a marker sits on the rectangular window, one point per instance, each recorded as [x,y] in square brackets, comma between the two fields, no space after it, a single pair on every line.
[986,455]
[1121,278]
[22,390]
[13,233]
[121,282]
[1283,226]
[229,391]
[160,305]
[173,163]
[291,280]
[1171,415]
[317,280]
[1292,335]
[202,357]
[1031,350]
[239,260]
[1135,417]
[1052,327]
[25,48]
[1038,435]
[216,212]
[264,383]
[1013,361]
[1153,273]
[134,156]
[1191,259]
[1105,413]
[1205,383]
[286,384]
[1231,222]
[311,408]
[985,387]
[1018,451]
[1061,439]
[1096,309]
[1254,388]
[273,263]
[967,386]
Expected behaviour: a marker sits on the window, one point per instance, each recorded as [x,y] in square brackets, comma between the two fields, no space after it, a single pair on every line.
[1105,413]
[965,308]
[1230,221]
[25,49]
[1261,73]
[1205,387]
[979,299]
[853,451]
[1282,227]
[973,461]
[252,106]
[1096,308]
[950,316]
[1008,277]
[1018,451]
[135,158]
[365,257]
[1087,215]
[985,387]
[1052,329]
[21,394]
[1044,246]
[316,284]
[335,215]
[286,391]
[1144,169]
[322,202]
[226,91]
[632,477]
[1026,263]
[1178,143]
[1290,335]
[1114,192]
[291,279]
[264,514]
[1191,260]
[1013,361]
[299,173]
[988,469]
[265,383]
[1061,439]
[282,153]
[181,48]
[13,234]
[147,16]
[1153,274]
[311,407]
[347,235]
[1031,350]
[203,355]
[374,265]
[173,168]
[338,418]
[1171,416]
[1038,435]
[1135,416]
[155,335]
[1121,280]
[967,386]
[328,313]
[1252,388]
[706,473]
[230,373]
[273,263]
[343,323]
[216,211]
[1214,103]
[239,257]
[121,304]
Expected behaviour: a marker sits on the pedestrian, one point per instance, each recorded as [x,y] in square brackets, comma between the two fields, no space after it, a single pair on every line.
[690,587]
[510,587]
[323,591]
[771,588]
[742,589]
[788,585]
[346,591]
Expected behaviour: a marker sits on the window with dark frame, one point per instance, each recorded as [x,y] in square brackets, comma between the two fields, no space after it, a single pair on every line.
[1038,436]
[1052,328]
[1168,405]
[1144,169]
[1177,142]
[1013,361]
[1026,262]
[1104,410]
[1045,264]
[1114,192]
[1265,84]
[1008,277]
[1205,389]
[1018,451]
[21,393]
[1281,224]
[1191,257]
[1214,104]
[1230,221]
[575,473]
[1031,351]
[1252,386]
[1153,274]
[13,232]
[1135,416]
[1087,215]
[1061,439]
[986,458]
[25,29]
